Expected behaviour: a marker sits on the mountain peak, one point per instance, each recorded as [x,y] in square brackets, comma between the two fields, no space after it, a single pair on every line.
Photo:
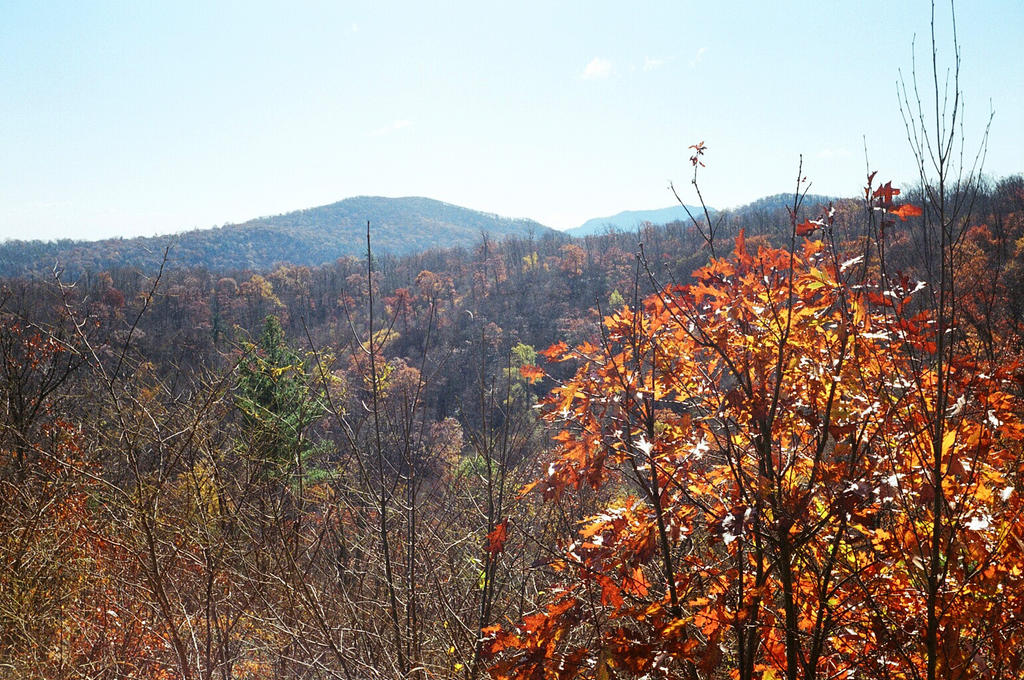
[310,236]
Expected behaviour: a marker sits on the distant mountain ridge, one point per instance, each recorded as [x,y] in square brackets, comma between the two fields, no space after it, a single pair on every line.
[629,220]
[320,235]
[313,236]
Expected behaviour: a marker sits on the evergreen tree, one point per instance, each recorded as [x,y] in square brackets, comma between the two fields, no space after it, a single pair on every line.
[273,395]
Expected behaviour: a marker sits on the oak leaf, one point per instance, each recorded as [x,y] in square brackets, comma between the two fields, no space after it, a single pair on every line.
[908,210]
[497,537]
[532,373]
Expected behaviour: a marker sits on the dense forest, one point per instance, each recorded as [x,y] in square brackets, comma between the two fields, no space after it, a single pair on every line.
[779,444]
[785,441]
[311,237]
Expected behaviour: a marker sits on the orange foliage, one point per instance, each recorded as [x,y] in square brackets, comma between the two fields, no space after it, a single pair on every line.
[770,434]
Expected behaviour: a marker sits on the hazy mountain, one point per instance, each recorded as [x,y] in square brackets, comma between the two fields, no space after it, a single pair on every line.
[629,220]
[307,237]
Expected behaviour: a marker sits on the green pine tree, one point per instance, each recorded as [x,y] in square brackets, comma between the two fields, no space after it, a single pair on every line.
[273,394]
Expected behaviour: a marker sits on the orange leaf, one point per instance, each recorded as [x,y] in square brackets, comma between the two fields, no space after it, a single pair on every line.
[806,227]
[496,539]
[532,373]
[741,248]
[611,594]
[637,584]
[528,488]
[908,210]
[886,193]
[556,352]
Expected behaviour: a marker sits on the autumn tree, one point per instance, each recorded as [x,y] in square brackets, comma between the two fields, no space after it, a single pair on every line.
[811,461]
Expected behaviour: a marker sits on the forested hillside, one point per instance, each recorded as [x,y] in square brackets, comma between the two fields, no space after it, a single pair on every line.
[319,236]
[308,237]
[318,471]
[399,439]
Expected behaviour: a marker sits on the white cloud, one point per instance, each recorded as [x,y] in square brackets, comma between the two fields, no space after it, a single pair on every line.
[698,57]
[597,68]
[391,127]
[651,63]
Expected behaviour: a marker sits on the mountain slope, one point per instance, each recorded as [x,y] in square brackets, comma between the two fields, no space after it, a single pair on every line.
[782,201]
[306,237]
[629,220]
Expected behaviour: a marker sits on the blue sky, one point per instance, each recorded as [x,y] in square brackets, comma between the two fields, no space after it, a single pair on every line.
[137,118]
